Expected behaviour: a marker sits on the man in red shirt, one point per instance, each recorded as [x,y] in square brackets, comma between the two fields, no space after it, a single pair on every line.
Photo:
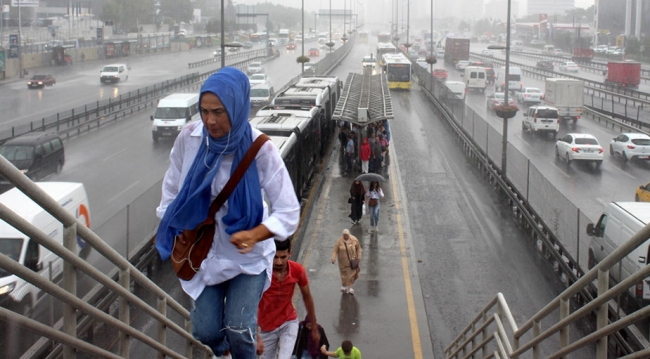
[276,316]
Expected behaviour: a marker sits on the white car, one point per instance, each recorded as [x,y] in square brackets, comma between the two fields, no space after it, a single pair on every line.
[440,54]
[631,146]
[457,90]
[422,63]
[259,79]
[487,52]
[255,67]
[462,64]
[497,99]
[569,66]
[579,147]
[530,95]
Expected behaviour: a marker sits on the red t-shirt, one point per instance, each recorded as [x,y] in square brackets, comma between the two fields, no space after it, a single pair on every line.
[276,307]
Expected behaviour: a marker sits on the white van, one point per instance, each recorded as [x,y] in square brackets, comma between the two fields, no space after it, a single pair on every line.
[514,80]
[517,45]
[457,90]
[114,73]
[21,295]
[476,78]
[173,113]
[549,49]
[616,225]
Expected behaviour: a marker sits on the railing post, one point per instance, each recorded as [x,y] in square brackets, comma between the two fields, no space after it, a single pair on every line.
[125,282]
[162,328]
[601,320]
[72,117]
[537,330]
[70,285]
[565,310]
[188,344]
[484,335]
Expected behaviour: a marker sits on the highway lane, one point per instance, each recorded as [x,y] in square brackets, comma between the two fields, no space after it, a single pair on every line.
[588,188]
[79,85]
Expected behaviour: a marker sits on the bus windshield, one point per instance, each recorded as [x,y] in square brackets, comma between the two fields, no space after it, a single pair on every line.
[398,72]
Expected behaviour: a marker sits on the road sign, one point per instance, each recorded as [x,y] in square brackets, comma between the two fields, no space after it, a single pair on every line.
[25,3]
[100,35]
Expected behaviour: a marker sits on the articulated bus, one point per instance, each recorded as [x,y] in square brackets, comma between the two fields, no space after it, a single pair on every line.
[398,71]
[383,37]
[384,48]
[363,37]
[258,37]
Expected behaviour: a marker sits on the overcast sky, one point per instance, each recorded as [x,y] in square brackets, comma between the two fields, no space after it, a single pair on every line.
[313,5]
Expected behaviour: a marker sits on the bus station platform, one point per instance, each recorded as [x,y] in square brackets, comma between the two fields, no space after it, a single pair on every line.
[385,317]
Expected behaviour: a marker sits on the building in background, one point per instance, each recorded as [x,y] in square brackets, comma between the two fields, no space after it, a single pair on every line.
[550,7]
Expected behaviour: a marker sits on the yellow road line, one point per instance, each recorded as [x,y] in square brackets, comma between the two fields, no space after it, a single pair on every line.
[413,320]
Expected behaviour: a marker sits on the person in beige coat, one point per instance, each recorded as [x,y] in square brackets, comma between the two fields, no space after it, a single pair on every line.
[347,248]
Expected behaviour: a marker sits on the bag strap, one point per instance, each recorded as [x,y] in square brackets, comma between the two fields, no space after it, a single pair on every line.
[346,251]
[237,175]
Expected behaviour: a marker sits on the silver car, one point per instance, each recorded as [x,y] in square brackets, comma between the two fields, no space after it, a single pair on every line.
[631,146]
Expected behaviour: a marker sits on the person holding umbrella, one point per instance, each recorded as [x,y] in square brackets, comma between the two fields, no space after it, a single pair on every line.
[373,194]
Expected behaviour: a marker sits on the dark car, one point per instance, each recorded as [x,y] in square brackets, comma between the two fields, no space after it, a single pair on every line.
[36,154]
[40,81]
[248,45]
[291,46]
[545,64]
[313,52]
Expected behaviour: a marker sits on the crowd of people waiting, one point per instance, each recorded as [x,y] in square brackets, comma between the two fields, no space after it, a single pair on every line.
[369,145]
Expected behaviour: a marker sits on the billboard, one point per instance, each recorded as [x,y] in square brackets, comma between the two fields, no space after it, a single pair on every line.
[25,3]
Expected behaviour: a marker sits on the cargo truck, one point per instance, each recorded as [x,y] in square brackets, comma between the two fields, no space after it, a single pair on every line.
[623,73]
[567,96]
[456,49]
[16,293]
[582,55]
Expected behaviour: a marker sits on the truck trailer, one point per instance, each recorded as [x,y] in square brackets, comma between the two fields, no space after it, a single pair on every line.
[623,73]
[456,49]
[567,96]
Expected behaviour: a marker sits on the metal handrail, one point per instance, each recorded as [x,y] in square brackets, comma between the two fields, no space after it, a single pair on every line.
[127,270]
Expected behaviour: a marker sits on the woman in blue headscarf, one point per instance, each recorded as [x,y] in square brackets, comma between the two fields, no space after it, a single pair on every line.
[229,284]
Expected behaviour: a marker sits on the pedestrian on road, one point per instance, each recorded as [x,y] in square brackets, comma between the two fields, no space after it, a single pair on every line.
[346,249]
[357,196]
[345,351]
[364,155]
[306,347]
[374,194]
[277,317]
[229,283]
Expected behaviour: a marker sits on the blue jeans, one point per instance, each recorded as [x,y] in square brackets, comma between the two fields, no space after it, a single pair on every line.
[225,315]
[374,215]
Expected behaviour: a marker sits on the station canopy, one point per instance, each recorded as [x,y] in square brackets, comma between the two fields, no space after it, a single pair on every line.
[365,99]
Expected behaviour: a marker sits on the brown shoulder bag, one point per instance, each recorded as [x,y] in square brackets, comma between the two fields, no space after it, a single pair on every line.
[192,245]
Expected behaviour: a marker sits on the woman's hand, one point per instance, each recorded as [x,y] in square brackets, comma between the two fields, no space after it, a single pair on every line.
[246,240]
[333,260]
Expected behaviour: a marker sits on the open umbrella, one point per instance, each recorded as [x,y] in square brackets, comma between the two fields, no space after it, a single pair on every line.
[370,177]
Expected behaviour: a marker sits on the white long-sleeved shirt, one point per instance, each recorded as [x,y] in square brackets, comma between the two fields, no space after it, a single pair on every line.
[224,261]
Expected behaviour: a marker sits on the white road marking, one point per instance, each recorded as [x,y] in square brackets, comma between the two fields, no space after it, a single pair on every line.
[124,191]
[559,169]
[113,155]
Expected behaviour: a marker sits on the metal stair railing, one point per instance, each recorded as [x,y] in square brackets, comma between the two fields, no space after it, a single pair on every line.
[75,265]
[508,346]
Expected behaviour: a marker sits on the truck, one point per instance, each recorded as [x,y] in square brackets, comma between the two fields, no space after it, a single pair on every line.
[623,73]
[582,54]
[283,35]
[567,96]
[16,293]
[456,49]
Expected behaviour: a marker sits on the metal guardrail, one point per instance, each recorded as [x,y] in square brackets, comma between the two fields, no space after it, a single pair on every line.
[247,54]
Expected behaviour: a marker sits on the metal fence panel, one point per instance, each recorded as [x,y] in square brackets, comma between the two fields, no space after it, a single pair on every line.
[495,145]
[517,170]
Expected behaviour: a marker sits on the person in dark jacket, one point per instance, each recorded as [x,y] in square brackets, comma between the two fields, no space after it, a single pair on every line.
[305,347]
[357,194]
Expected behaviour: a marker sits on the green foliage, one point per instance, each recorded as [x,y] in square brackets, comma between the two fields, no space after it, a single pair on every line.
[178,10]
[126,14]
[302,59]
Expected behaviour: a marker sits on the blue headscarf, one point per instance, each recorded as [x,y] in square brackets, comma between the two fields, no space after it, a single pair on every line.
[191,205]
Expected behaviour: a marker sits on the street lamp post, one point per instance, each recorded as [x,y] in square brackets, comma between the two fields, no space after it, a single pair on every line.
[431,38]
[504,148]
[302,21]
[223,38]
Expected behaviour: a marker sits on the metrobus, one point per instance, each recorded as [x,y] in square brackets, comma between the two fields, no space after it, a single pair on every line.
[382,49]
[258,37]
[363,37]
[383,37]
[398,71]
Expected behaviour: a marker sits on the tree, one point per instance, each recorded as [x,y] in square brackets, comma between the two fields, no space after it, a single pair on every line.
[127,14]
[178,10]
[463,26]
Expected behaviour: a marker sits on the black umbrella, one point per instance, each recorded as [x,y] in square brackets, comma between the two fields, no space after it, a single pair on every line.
[370,177]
